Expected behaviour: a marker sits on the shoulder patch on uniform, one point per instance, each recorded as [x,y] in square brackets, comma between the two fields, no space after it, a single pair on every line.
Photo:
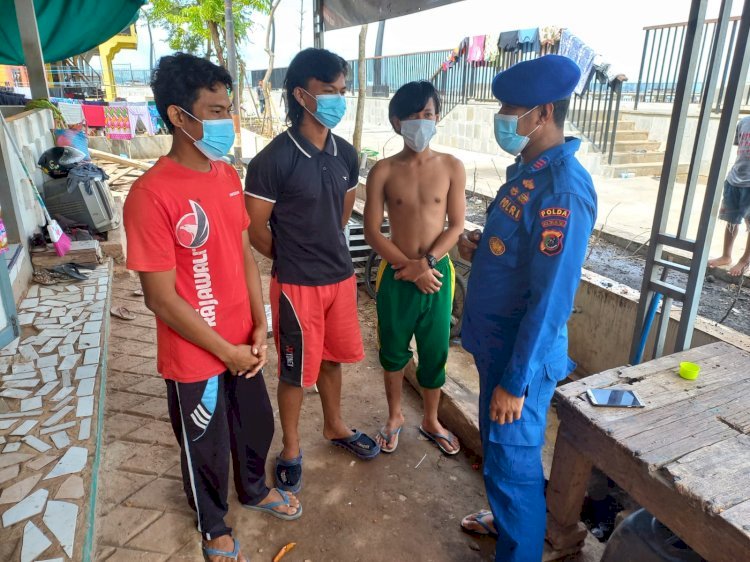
[552,242]
[555,213]
[540,164]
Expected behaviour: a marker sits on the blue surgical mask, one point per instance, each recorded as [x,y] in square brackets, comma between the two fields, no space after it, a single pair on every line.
[506,133]
[218,137]
[417,133]
[331,109]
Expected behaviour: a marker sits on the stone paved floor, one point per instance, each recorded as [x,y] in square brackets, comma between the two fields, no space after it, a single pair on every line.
[141,509]
[48,401]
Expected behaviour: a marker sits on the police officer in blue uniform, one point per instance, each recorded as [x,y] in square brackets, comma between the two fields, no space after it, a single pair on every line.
[525,272]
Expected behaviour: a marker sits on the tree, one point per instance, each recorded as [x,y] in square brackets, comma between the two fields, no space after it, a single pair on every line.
[197,26]
[362,90]
[267,128]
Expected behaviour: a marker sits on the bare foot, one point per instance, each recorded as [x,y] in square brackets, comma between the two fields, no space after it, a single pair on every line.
[337,430]
[739,268]
[275,496]
[479,523]
[720,261]
[436,428]
[390,430]
[224,543]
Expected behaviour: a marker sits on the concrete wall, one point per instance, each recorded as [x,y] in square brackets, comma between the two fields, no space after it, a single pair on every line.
[142,147]
[601,328]
[32,131]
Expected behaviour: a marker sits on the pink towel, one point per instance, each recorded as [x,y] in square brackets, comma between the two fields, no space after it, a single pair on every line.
[476,49]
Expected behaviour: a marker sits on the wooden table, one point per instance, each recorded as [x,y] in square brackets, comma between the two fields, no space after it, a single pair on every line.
[685,457]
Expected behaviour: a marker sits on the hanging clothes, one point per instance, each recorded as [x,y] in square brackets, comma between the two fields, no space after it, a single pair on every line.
[549,35]
[572,47]
[139,112]
[71,112]
[528,40]
[93,114]
[476,49]
[491,50]
[508,41]
[156,119]
[117,122]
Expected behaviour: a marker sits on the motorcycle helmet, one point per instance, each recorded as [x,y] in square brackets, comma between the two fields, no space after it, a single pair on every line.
[56,162]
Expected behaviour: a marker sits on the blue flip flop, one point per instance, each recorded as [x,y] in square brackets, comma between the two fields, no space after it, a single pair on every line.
[387,436]
[359,444]
[437,437]
[478,517]
[289,474]
[233,555]
[269,507]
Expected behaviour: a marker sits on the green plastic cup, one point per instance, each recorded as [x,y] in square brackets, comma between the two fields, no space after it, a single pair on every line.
[689,370]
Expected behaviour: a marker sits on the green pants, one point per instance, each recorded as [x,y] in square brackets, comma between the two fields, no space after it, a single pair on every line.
[403,312]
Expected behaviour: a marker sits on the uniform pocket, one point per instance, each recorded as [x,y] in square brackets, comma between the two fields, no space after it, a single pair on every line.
[501,237]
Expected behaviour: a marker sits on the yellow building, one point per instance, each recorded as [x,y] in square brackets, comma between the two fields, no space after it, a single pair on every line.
[126,39]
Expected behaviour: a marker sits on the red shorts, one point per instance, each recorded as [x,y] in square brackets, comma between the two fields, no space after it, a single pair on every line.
[311,324]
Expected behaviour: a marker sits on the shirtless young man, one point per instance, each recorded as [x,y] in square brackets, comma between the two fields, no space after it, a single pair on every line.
[415,282]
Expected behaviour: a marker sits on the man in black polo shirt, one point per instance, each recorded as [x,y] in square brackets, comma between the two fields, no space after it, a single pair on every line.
[303,185]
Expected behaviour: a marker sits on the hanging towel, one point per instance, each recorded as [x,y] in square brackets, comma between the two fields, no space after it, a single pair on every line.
[549,35]
[94,115]
[572,47]
[117,122]
[71,112]
[491,50]
[508,41]
[529,40]
[476,49]
[139,111]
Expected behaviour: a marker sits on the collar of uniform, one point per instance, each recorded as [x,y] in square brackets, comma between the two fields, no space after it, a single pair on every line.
[541,162]
[309,149]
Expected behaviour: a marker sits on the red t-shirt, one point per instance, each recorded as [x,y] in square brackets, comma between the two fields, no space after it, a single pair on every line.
[177,218]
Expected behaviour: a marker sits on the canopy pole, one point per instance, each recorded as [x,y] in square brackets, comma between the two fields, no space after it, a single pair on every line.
[32,48]
[318,24]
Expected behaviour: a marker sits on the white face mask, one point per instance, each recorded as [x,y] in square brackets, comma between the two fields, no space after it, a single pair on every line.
[417,133]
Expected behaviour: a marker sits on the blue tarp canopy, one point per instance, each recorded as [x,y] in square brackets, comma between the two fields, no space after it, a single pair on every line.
[66,27]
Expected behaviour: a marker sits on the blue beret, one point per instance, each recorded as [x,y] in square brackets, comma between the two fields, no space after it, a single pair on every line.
[534,82]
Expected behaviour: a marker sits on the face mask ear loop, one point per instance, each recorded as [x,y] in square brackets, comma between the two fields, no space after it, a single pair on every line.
[194,117]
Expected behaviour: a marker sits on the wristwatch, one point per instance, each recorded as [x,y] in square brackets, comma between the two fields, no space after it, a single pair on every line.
[431,261]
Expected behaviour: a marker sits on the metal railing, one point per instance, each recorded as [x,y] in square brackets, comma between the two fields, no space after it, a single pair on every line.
[124,75]
[660,62]
[596,111]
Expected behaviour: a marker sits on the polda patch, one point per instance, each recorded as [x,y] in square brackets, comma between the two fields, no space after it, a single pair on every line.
[554,213]
[552,242]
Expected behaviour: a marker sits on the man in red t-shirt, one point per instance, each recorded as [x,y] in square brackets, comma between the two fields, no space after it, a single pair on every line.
[186,227]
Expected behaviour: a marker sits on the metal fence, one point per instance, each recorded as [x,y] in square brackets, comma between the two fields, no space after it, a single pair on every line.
[596,111]
[660,62]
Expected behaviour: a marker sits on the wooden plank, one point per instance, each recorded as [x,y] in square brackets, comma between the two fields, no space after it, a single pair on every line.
[717,476]
[84,252]
[566,489]
[739,516]
[676,449]
[108,156]
[712,537]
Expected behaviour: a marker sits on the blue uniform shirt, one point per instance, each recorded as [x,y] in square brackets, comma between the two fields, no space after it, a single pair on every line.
[527,266]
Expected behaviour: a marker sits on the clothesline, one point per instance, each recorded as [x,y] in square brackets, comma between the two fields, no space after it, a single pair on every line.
[120,120]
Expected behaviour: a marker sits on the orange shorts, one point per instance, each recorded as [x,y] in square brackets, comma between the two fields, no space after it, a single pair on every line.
[311,324]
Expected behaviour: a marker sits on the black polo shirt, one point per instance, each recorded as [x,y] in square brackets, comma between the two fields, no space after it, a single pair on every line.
[307,187]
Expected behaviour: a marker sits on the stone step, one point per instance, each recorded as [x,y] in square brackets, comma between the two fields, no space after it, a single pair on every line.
[633,145]
[645,169]
[639,157]
[631,135]
[621,125]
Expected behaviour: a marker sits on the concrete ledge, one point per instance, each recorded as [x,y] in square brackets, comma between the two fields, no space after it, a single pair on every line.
[115,246]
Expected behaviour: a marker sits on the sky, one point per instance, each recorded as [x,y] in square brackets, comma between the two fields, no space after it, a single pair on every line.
[612,29]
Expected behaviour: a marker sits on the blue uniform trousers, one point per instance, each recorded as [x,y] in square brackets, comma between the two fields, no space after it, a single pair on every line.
[513,474]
